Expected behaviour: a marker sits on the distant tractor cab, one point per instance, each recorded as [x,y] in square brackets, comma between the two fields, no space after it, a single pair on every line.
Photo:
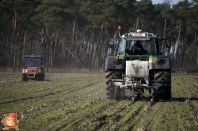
[33,68]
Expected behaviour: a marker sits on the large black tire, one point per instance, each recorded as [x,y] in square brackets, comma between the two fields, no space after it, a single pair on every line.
[114,74]
[155,94]
[24,78]
[164,92]
[40,77]
[43,77]
[111,92]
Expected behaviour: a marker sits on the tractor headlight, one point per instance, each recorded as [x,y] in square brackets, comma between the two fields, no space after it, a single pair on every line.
[24,71]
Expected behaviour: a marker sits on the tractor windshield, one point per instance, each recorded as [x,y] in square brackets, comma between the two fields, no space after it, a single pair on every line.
[32,61]
[148,45]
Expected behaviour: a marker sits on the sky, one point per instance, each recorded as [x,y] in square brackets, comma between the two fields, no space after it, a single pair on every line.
[161,1]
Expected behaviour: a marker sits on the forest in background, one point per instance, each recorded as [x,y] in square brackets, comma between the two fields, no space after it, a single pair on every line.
[75,33]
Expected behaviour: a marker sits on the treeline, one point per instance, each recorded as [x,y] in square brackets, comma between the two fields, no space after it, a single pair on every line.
[75,33]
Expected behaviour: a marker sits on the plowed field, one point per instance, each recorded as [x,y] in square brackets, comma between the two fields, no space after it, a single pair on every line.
[76,101]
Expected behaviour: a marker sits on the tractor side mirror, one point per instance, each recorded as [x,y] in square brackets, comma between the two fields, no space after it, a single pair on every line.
[111,44]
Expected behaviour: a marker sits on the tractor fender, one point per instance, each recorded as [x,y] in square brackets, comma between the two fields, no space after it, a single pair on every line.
[109,63]
[165,63]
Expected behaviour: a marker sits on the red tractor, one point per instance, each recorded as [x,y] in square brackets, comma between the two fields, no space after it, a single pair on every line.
[33,68]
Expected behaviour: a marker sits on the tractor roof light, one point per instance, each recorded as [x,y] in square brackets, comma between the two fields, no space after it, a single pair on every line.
[139,31]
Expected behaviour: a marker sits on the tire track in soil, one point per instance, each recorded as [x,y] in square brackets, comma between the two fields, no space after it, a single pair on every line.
[193,110]
[192,89]
[88,114]
[134,117]
[71,90]
[195,91]
[144,122]
[114,117]
[53,102]
[97,120]
[29,98]
[69,99]
[102,119]
[71,118]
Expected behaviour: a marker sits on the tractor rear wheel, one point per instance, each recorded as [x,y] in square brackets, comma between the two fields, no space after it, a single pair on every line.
[155,94]
[111,92]
[164,92]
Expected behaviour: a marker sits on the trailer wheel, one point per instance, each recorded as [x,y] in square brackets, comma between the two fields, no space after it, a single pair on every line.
[165,91]
[111,92]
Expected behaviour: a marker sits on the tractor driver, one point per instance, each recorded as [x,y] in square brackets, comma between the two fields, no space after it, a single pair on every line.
[139,46]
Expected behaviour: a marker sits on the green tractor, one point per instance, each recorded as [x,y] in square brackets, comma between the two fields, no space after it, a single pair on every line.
[139,66]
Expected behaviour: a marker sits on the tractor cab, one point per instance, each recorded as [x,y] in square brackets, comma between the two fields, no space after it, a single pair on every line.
[138,43]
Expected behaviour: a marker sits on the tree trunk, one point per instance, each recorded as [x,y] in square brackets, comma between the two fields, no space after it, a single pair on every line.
[164,36]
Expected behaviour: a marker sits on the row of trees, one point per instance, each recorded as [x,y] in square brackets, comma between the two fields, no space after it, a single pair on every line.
[75,33]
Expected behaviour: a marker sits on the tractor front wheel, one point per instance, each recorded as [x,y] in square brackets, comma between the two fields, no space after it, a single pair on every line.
[24,77]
